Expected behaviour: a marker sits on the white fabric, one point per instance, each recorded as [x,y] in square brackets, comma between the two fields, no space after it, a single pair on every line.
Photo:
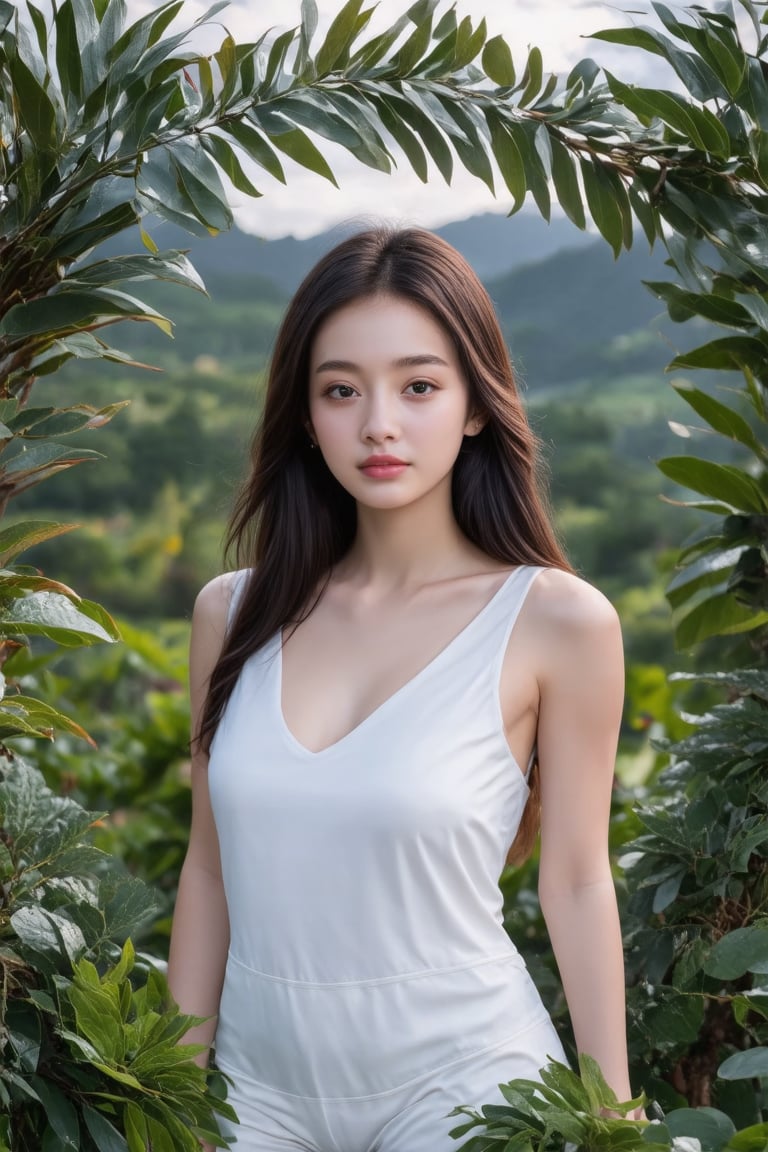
[367,945]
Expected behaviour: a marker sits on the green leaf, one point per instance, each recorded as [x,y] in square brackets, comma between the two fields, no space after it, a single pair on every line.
[60,1113]
[667,892]
[38,718]
[705,569]
[346,124]
[712,1128]
[746,1066]
[135,1128]
[202,184]
[403,136]
[171,266]
[257,147]
[745,843]
[31,465]
[227,160]
[98,1019]
[699,125]
[567,183]
[498,63]
[340,34]
[532,78]
[741,950]
[48,932]
[275,62]
[603,203]
[299,147]
[105,1136]
[462,131]
[306,32]
[411,52]
[68,55]
[716,613]
[430,135]
[683,304]
[533,142]
[41,424]
[751,1139]
[644,211]
[724,482]
[375,49]
[720,417]
[600,1095]
[65,310]
[26,534]
[508,158]
[55,616]
[727,352]
[33,105]
[697,76]
[38,21]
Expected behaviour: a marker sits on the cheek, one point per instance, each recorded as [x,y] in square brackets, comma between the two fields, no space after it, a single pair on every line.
[332,425]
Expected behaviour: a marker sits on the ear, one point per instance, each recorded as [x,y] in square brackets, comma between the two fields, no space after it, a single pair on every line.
[475,424]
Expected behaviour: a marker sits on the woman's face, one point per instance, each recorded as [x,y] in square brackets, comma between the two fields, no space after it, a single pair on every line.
[385,381]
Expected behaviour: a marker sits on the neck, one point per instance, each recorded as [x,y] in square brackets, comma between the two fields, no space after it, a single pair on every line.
[410,546]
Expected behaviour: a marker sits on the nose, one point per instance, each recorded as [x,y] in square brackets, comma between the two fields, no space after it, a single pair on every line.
[380,421]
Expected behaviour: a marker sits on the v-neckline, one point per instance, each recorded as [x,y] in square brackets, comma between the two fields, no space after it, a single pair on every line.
[373,715]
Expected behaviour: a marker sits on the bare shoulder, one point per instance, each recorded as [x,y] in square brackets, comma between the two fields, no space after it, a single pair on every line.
[563,600]
[209,622]
[213,600]
[576,622]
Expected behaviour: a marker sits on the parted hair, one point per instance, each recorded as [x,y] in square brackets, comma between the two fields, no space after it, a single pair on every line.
[292,520]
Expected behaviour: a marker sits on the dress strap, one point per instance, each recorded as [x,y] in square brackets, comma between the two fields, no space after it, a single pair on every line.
[239,580]
[507,607]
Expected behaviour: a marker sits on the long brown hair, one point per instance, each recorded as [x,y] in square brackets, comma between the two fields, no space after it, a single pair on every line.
[293,521]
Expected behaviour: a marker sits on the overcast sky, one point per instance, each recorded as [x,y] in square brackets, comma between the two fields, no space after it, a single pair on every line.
[310,204]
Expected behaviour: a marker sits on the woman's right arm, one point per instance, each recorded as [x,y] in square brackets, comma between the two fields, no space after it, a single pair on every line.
[200,934]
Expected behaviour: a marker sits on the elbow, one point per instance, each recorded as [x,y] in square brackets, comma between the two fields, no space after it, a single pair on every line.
[574,887]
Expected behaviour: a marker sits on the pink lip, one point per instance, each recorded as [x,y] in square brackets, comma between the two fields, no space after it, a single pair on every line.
[374,461]
[383,467]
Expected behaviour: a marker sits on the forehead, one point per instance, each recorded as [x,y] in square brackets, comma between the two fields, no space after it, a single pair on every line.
[381,326]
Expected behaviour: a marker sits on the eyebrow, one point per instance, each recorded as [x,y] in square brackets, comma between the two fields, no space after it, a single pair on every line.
[403,362]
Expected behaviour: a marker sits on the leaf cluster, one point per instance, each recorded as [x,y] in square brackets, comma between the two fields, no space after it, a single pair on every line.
[31,604]
[85,1055]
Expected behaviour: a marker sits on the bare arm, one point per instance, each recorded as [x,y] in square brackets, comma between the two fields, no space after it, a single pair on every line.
[581,695]
[200,935]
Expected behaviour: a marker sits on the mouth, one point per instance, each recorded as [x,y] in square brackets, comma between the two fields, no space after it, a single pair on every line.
[383,467]
[380,461]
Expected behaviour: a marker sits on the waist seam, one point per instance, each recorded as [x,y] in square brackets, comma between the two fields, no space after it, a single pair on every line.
[421,973]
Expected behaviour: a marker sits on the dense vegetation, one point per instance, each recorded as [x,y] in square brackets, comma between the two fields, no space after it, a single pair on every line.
[88,1035]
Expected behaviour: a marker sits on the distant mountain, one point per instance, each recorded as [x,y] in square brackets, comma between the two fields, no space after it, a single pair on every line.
[576,315]
[580,314]
[492,243]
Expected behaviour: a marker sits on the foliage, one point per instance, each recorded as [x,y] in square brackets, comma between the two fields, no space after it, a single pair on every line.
[564,1107]
[133,699]
[85,1055]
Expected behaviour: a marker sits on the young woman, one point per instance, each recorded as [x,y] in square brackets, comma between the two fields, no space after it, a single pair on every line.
[403,673]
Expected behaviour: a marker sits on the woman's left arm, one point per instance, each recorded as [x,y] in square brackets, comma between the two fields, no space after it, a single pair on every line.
[581,697]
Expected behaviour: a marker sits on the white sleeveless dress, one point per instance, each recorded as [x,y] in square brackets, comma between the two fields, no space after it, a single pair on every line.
[370,985]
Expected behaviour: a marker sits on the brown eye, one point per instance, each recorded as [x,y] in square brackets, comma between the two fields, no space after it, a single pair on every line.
[420,387]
